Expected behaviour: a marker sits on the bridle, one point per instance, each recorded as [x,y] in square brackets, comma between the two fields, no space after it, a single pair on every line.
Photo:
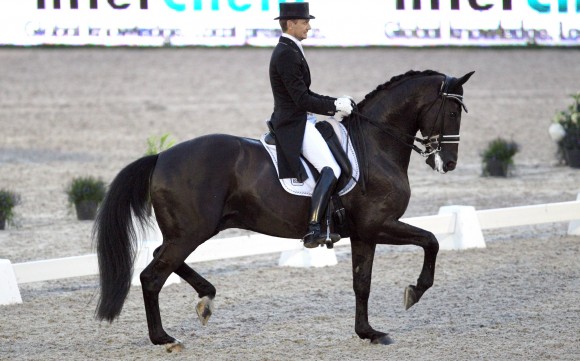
[432,143]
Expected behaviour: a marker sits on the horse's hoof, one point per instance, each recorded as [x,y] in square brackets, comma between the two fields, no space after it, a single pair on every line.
[204,309]
[409,298]
[383,340]
[175,346]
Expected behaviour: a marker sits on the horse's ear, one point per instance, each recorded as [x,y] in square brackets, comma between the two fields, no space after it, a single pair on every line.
[464,79]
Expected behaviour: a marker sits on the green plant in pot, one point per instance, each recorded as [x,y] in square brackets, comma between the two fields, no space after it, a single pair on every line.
[497,158]
[8,200]
[85,193]
[565,131]
[156,145]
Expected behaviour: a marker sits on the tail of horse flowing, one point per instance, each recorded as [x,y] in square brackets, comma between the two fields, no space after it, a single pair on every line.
[115,236]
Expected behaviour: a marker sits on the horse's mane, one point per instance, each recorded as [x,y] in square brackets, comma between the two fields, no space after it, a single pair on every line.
[355,126]
[396,79]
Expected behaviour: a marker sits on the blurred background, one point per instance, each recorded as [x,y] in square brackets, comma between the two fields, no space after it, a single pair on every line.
[85,84]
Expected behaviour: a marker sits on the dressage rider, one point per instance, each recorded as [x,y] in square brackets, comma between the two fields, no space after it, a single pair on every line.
[293,121]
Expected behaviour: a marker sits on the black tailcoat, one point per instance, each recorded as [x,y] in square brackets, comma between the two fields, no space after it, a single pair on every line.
[290,81]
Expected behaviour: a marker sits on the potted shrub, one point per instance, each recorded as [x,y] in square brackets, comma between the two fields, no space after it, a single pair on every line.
[85,193]
[498,157]
[565,130]
[8,200]
[157,145]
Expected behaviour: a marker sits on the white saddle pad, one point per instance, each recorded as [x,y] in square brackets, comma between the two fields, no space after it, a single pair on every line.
[292,185]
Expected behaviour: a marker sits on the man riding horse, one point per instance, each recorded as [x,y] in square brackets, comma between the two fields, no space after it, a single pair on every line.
[293,120]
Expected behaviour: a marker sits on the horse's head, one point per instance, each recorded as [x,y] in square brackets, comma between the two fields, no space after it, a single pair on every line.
[427,101]
[440,122]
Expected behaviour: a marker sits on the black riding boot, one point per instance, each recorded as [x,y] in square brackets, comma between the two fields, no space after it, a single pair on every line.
[322,192]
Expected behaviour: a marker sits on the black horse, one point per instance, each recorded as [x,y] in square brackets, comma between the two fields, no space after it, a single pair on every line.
[205,185]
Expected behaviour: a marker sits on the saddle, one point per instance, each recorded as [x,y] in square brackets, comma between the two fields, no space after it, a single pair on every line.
[336,213]
[329,135]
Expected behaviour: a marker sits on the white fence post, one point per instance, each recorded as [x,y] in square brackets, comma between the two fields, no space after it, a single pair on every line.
[308,257]
[9,292]
[467,229]
[574,226]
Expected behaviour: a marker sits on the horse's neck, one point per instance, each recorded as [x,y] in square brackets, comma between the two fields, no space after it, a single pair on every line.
[401,117]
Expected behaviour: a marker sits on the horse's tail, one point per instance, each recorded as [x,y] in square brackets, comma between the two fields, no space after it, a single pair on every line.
[115,236]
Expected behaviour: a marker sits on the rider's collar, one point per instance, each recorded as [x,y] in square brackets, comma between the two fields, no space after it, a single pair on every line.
[296,41]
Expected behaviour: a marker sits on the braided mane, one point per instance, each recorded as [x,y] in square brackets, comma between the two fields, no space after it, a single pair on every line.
[395,79]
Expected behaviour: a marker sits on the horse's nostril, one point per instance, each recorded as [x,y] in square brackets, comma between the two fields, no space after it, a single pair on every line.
[451,165]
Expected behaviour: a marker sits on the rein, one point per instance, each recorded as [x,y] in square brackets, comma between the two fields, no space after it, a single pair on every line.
[392,132]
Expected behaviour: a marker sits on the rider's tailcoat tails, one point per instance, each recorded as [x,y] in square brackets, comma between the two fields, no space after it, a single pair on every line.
[290,81]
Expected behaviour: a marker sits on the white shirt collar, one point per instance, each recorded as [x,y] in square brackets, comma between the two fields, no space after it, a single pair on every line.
[296,41]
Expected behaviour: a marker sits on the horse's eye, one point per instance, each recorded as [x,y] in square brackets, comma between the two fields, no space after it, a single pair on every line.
[453,114]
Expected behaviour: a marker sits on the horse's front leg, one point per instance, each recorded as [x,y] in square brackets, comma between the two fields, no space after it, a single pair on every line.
[400,233]
[362,267]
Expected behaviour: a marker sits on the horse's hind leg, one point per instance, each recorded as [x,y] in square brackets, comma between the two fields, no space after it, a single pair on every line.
[168,258]
[205,290]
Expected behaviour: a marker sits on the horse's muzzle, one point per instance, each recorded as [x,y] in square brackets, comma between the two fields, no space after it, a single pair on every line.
[449,166]
[438,164]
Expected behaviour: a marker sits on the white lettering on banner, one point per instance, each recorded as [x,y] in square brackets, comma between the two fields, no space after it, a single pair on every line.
[250,22]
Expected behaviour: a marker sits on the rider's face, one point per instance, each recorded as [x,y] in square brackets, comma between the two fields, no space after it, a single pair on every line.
[299,28]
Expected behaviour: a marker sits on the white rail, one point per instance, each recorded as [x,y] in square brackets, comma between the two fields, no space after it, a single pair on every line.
[456,227]
[57,268]
[529,215]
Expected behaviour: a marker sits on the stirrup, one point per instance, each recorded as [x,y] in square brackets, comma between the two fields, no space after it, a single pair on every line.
[331,238]
[314,239]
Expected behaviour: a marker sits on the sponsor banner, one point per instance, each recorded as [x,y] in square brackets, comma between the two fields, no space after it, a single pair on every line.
[250,22]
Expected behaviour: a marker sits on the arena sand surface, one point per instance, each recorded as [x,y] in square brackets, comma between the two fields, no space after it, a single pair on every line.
[73,112]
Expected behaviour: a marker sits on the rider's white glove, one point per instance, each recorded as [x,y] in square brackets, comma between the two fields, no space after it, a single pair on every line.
[343,107]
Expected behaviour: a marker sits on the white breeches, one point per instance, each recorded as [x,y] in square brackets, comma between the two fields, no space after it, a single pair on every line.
[315,149]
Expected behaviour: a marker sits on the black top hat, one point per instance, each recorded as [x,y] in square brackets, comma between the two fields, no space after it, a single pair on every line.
[294,11]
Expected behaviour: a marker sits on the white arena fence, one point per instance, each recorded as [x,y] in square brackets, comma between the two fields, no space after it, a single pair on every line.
[456,228]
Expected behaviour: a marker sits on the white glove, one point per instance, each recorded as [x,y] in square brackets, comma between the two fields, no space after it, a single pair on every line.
[343,107]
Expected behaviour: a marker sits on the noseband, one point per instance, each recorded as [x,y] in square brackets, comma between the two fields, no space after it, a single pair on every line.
[432,143]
